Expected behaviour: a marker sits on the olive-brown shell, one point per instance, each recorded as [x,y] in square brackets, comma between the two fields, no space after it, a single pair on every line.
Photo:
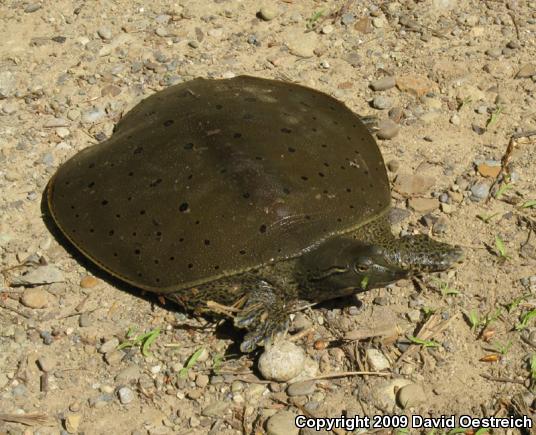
[214,177]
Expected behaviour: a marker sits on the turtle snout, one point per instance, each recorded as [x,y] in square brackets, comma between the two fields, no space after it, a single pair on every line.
[446,258]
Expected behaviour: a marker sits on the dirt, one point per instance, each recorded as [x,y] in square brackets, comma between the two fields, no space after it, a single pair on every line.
[465,76]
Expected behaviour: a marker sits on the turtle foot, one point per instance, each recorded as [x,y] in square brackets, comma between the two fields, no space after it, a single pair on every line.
[264,315]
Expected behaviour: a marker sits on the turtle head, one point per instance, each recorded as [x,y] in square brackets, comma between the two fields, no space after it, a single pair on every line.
[342,266]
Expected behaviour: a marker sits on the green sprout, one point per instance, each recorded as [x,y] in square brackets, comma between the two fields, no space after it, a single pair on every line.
[183,373]
[364,282]
[533,367]
[515,303]
[525,319]
[502,190]
[503,348]
[425,343]
[445,289]
[464,103]
[501,248]
[217,362]
[474,320]
[494,116]
[145,340]
[529,204]
[312,20]
[486,218]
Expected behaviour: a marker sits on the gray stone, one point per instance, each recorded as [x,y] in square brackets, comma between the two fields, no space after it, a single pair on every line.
[410,396]
[40,276]
[109,345]
[301,44]
[128,374]
[479,191]
[383,83]
[382,102]
[268,12]
[348,18]
[215,409]
[126,395]
[93,115]
[105,33]
[282,361]
[46,363]
[301,388]
[34,298]
[387,129]
[408,184]
[494,52]
[282,423]
[377,360]
[32,7]
[7,84]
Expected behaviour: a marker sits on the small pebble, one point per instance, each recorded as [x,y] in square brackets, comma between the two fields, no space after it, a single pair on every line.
[46,364]
[93,115]
[32,7]
[109,345]
[479,191]
[128,375]
[126,395]
[34,298]
[384,83]
[382,102]
[348,18]
[410,396]
[377,360]
[105,33]
[387,129]
[282,361]
[88,281]
[47,337]
[161,31]
[301,388]
[326,30]
[72,422]
[216,409]
[85,320]
[282,423]
[268,13]
[455,119]
[494,52]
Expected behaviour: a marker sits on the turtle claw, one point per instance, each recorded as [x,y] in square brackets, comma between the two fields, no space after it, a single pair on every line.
[264,315]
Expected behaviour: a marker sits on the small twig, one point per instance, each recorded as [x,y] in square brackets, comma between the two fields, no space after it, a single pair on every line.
[514,21]
[20,313]
[505,380]
[26,419]
[346,374]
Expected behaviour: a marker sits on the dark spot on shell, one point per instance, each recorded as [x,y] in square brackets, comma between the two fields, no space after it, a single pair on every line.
[190,265]
[324,145]
[219,106]
[137,251]
[286,190]
[184,207]
[207,242]
[91,230]
[168,122]
[104,202]
[262,228]
[171,258]
[304,178]
[90,185]
[138,150]
[291,150]
[321,174]
[111,232]
[91,165]
[142,212]
[130,174]
[237,135]
[242,252]
[155,182]
[286,130]
[189,146]
[246,195]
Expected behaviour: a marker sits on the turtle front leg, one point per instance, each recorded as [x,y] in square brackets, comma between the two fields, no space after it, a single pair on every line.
[264,314]
[254,304]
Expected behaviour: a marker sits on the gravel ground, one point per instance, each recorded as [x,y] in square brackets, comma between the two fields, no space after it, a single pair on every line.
[451,83]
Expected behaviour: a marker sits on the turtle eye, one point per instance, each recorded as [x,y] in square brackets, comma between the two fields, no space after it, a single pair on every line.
[361,267]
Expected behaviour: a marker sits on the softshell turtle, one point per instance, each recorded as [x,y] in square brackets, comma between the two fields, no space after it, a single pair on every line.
[241,195]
